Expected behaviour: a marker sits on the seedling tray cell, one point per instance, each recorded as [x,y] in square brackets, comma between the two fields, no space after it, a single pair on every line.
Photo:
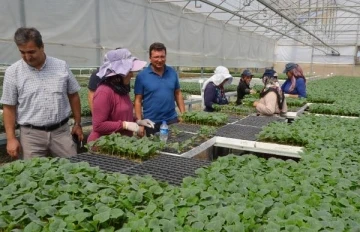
[186,127]
[181,137]
[259,121]
[233,118]
[105,162]
[239,132]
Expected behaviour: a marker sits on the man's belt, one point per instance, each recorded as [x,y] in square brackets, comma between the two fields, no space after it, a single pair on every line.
[49,127]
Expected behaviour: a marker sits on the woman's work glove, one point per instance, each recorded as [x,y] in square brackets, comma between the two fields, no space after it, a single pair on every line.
[131,126]
[146,122]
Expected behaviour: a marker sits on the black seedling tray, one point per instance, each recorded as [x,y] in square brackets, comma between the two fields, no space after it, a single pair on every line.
[166,168]
[182,136]
[239,132]
[259,121]
[233,118]
[186,127]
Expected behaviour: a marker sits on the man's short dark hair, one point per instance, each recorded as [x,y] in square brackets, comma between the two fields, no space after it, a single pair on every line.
[24,35]
[157,47]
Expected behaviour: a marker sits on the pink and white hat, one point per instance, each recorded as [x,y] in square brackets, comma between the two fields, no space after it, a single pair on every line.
[120,61]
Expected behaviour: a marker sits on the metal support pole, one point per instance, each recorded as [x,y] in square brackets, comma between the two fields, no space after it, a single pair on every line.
[97,33]
[22,13]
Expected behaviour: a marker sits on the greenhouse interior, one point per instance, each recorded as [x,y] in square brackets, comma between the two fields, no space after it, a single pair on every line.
[232,169]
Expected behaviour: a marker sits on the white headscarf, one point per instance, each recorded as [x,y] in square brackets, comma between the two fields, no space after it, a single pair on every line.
[220,74]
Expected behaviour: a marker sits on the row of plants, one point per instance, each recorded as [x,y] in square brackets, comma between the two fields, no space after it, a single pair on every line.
[194,88]
[341,92]
[233,73]
[126,147]
[232,108]
[310,130]
[205,118]
[350,109]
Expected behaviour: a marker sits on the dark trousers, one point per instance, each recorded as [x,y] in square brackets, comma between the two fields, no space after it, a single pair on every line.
[152,131]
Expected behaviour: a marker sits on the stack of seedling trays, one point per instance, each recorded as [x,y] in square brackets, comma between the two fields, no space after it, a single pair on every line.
[165,168]
[247,128]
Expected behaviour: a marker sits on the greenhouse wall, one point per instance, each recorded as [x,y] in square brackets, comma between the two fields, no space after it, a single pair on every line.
[317,62]
[82,31]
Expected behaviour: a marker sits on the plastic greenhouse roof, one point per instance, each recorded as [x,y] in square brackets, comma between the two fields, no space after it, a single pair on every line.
[321,24]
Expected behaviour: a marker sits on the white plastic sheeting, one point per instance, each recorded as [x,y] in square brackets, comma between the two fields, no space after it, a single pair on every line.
[81,31]
[302,54]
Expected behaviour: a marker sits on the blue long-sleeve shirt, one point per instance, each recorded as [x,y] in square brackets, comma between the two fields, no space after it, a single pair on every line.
[300,87]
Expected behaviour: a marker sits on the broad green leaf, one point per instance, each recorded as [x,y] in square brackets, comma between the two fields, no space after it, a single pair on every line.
[32,227]
[157,190]
[231,217]
[16,213]
[116,213]
[108,229]
[198,225]
[135,197]
[154,223]
[102,217]
[167,225]
[57,225]
[215,224]
[3,223]
[66,210]
[238,227]
[107,200]
[81,216]
[151,207]
[249,213]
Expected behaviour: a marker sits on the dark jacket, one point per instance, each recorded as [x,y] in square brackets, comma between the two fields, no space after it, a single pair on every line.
[242,90]
[213,95]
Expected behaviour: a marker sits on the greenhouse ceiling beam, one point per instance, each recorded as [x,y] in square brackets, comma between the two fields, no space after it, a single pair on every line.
[298,25]
[262,25]
[166,1]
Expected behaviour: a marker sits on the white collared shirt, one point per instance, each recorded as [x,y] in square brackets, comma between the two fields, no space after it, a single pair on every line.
[40,95]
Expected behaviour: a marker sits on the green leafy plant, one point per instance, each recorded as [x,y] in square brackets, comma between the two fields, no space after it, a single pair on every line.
[126,147]
[205,118]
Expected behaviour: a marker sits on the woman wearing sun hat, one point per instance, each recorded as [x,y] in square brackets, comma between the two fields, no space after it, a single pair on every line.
[112,107]
[295,84]
[213,88]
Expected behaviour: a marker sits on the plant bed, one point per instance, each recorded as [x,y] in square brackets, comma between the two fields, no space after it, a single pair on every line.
[126,147]
[239,132]
[259,121]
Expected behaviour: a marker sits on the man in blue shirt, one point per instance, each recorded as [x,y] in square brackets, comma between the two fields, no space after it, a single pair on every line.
[157,89]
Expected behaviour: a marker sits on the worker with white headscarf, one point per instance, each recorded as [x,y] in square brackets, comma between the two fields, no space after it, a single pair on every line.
[213,88]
